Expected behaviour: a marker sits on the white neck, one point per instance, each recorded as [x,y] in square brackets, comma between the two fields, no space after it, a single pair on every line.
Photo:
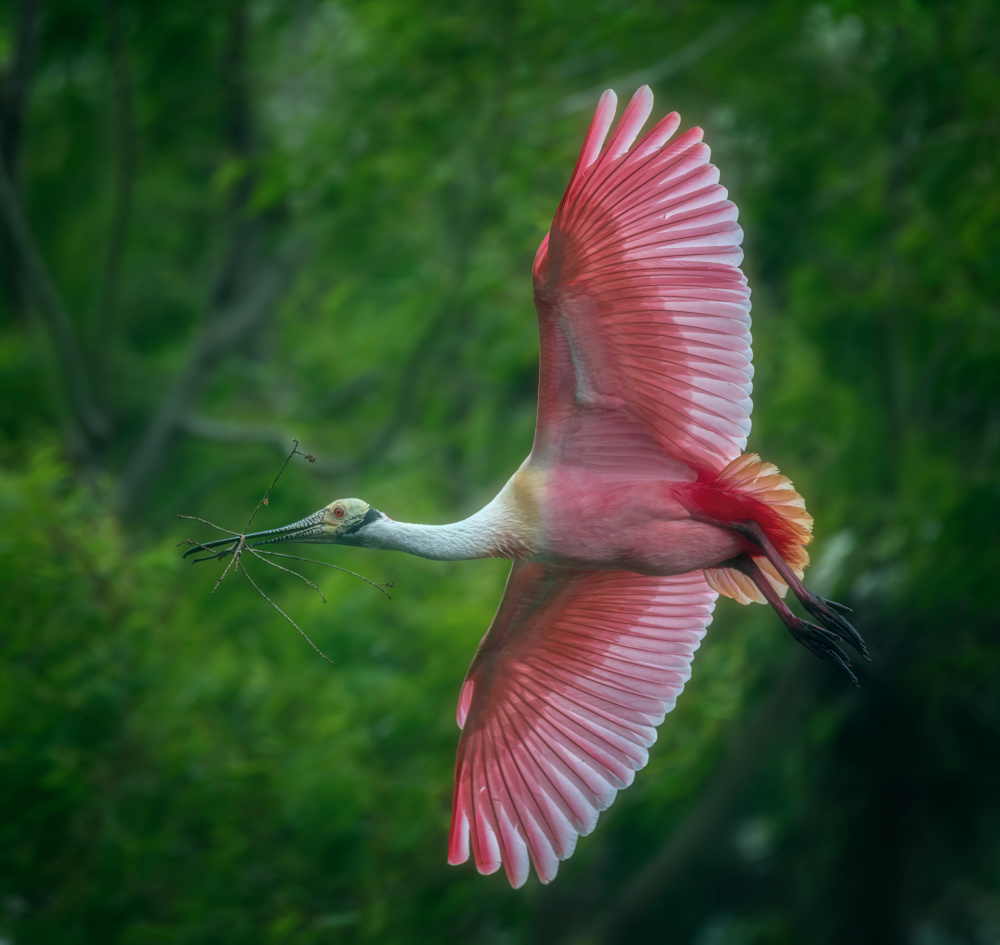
[486,534]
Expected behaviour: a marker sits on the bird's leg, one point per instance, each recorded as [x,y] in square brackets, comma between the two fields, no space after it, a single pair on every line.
[829,613]
[819,641]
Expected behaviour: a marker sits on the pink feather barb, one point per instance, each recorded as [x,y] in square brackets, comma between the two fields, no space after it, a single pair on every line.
[642,307]
[648,237]
[570,682]
[636,506]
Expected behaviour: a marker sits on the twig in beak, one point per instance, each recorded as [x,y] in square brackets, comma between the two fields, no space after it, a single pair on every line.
[280,611]
[326,564]
[315,587]
[238,545]
[205,521]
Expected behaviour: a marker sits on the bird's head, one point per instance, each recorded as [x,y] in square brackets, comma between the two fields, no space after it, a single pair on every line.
[345,517]
[342,522]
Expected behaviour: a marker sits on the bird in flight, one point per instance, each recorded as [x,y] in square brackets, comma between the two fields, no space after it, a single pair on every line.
[634,510]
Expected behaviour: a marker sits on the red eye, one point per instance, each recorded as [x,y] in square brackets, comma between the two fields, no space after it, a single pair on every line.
[339,512]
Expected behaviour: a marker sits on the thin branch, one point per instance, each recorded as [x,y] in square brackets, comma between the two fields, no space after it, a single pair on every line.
[246,289]
[234,431]
[91,421]
[237,553]
[238,141]
[208,349]
[175,414]
[205,521]
[379,586]
[281,567]
[241,431]
[19,254]
[105,318]
[471,204]
[15,84]
[239,542]
[16,80]
[274,482]
[283,614]
[239,545]
[238,431]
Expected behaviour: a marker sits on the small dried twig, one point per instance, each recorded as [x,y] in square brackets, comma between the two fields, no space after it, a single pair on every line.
[326,564]
[205,521]
[263,501]
[239,546]
[315,587]
[239,538]
[283,614]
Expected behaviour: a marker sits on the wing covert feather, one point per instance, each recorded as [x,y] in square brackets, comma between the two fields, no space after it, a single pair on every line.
[561,704]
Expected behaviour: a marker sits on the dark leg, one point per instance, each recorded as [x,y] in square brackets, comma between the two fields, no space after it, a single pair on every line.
[829,613]
[819,641]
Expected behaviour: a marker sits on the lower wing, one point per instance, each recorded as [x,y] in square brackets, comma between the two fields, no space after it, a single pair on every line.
[561,704]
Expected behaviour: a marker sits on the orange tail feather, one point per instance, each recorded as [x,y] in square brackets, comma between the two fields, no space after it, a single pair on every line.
[783,517]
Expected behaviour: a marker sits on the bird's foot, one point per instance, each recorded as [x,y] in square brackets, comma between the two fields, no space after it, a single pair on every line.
[832,616]
[822,643]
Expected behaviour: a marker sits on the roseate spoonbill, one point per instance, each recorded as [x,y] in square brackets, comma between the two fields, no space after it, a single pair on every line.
[635,509]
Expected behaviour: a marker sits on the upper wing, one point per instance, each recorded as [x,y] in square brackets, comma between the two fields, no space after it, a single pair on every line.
[560,704]
[643,312]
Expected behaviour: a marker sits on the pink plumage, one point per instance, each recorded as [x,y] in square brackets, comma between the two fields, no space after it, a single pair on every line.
[633,511]
[568,686]
[643,404]
[641,302]
[645,366]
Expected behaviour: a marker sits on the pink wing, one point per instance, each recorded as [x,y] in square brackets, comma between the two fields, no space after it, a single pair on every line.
[561,704]
[643,311]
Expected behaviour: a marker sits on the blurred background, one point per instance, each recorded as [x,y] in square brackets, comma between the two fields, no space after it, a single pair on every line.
[225,225]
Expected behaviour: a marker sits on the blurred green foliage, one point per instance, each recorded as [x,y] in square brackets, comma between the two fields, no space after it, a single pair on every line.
[316,219]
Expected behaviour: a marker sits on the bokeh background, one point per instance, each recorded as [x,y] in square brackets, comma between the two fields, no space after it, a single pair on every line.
[225,225]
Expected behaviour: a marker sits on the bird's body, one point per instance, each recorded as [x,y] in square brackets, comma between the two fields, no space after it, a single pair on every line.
[636,507]
[575,518]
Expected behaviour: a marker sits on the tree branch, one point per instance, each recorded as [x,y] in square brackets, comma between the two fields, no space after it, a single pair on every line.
[15,81]
[105,316]
[91,421]
[239,431]
[238,137]
[247,287]
[235,431]
[14,85]
[216,340]
[467,211]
